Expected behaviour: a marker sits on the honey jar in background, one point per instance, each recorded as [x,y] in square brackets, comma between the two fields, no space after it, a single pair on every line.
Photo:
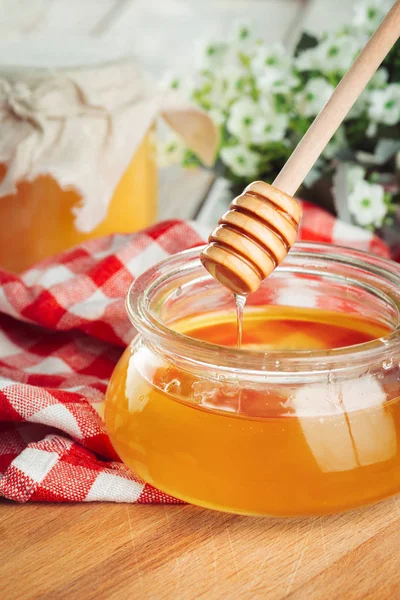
[39,218]
[77,157]
[304,419]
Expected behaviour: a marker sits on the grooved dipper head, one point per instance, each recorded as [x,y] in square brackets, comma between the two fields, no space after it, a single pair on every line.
[252,238]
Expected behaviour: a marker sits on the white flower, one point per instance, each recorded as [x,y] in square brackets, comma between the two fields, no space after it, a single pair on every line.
[384,105]
[243,34]
[217,116]
[234,82]
[273,56]
[355,174]
[212,92]
[222,87]
[242,116]
[183,84]
[313,97]
[211,55]
[379,79]
[256,123]
[367,203]
[241,160]
[335,53]
[337,143]
[269,128]
[272,69]
[277,80]
[170,151]
[368,14]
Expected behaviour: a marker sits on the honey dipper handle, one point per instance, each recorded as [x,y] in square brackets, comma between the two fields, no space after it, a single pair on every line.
[350,87]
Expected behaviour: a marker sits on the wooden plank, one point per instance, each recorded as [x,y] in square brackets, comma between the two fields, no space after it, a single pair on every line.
[78,16]
[325,15]
[181,192]
[21,17]
[108,18]
[162,35]
[75,16]
[216,203]
[111,551]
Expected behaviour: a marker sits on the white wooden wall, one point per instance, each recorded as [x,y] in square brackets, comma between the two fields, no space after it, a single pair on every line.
[161,33]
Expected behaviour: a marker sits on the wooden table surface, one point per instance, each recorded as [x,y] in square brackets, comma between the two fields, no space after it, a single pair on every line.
[115,552]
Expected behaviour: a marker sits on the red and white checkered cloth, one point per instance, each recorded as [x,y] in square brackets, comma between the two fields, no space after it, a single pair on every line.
[62,329]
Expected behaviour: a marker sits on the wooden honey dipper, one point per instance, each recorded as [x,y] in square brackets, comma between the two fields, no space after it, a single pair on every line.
[260,227]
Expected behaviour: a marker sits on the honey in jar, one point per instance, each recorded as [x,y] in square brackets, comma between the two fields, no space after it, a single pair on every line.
[302,420]
[39,218]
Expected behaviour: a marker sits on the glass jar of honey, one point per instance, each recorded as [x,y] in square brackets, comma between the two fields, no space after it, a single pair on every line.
[77,159]
[303,419]
[38,219]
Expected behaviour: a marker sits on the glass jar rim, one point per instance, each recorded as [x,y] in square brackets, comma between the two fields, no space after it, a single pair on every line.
[272,362]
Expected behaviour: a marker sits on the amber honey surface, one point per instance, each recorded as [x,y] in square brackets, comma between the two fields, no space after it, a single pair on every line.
[38,220]
[270,449]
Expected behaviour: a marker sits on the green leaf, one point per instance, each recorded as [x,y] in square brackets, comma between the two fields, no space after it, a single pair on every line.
[388,199]
[306,42]
[299,125]
[392,63]
[373,177]
[388,221]
[190,160]
[282,103]
[355,134]
[245,60]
